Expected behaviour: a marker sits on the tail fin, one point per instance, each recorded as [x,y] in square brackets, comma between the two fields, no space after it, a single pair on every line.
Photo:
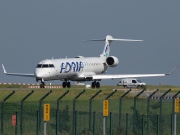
[108,41]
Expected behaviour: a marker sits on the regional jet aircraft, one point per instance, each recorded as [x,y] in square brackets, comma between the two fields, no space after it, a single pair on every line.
[81,68]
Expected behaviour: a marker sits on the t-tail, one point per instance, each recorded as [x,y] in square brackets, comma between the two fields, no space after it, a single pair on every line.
[108,41]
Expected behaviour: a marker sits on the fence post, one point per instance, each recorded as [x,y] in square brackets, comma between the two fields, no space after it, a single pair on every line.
[2,111]
[16,127]
[172,124]
[173,110]
[148,105]
[57,111]
[142,124]
[37,130]
[90,108]
[157,124]
[40,107]
[104,117]
[110,123]
[76,122]
[110,94]
[134,109]
[120,105]
[160,117]
[22,105]
[94,123]
[127,127]
[74,109]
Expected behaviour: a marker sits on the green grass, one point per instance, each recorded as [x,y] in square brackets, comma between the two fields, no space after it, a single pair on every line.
[83,100]
[31,105]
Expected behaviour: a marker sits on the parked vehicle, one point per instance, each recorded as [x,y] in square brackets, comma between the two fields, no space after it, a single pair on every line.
[131,82]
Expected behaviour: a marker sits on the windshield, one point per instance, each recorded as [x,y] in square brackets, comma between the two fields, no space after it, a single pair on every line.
[39,66]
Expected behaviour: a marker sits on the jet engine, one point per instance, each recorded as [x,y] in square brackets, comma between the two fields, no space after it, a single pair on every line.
[112,61]
[79,57]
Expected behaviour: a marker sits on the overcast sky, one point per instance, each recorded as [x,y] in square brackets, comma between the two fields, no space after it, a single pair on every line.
[31,31]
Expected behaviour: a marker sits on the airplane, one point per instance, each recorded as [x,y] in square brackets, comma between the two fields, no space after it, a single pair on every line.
[81,68]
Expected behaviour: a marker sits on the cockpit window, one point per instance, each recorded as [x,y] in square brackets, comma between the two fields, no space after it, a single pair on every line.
[39,66]
[51,65]
[45,66]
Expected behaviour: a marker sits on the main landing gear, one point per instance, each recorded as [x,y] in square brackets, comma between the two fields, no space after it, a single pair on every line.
[95,85]
[66,84]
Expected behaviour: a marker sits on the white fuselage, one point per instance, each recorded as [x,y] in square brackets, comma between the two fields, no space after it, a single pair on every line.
[71,69]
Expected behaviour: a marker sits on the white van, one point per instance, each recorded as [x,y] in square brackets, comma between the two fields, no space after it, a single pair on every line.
[131,82]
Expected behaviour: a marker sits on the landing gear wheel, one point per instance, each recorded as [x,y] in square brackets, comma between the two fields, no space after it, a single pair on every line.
[125,86]
[93,85]
[64,84]
[42,85]
[68,84]
[97,85]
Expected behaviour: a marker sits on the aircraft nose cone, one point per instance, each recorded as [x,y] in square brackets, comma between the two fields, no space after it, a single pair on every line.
[38,74]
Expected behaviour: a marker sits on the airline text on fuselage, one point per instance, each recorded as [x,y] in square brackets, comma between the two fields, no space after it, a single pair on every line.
[71,67]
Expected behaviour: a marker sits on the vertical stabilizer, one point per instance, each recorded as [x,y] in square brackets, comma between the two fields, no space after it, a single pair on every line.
[108,41]
[106,50]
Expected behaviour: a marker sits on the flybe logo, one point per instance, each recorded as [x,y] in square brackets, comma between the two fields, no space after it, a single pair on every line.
[71,67]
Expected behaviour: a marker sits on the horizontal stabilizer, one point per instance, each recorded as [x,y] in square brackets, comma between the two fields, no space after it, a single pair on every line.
[110,38]
[130,40]
[94,40]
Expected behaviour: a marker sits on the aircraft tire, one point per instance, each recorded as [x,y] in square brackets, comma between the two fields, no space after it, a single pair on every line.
[64,84]
[42,85]
[93,85]
[97,85]
[68,84]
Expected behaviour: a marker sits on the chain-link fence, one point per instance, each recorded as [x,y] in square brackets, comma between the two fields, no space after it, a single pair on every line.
[130,115]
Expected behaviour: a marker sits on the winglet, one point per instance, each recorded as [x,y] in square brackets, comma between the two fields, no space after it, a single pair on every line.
[173,70]
[4,69]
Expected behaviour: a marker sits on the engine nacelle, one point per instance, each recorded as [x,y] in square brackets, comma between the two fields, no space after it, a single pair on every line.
[79,57]
[112,61]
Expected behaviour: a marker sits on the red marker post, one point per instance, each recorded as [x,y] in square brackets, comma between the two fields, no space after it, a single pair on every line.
[14,122]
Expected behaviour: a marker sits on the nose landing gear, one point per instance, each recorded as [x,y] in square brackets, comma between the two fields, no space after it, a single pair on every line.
[42,85]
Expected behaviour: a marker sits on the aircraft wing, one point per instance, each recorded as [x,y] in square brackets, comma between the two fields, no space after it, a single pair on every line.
[17,74]
[115,76]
